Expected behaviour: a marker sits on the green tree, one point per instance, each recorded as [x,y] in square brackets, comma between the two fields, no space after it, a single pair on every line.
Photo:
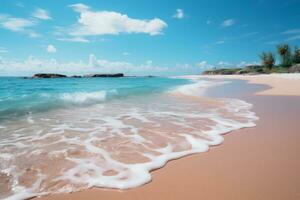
[296,56]
[268,59]
[284,51]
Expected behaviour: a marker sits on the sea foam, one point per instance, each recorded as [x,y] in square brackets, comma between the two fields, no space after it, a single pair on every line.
[112,145]
[83,97]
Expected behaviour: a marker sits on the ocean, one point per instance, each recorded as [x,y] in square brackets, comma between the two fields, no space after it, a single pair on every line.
[70,134]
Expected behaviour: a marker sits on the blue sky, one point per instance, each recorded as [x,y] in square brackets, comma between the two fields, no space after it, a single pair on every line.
[139,37]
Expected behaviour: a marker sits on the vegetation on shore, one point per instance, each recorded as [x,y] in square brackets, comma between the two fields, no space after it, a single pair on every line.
[289,63]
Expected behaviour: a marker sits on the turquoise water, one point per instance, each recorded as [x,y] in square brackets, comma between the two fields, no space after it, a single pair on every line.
[67,135]
[20,96]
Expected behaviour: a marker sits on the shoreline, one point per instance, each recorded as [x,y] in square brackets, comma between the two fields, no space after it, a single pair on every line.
[233,168]
[281,84]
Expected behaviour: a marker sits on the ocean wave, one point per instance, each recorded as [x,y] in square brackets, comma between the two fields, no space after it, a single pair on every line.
[197,88]
[112,145]
[84,97]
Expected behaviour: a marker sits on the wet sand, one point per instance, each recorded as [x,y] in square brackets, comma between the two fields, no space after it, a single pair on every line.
[254,163]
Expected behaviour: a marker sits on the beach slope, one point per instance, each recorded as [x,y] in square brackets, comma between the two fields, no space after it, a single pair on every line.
[254,163]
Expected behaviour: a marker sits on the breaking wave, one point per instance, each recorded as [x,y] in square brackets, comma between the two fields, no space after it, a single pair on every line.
[112,145]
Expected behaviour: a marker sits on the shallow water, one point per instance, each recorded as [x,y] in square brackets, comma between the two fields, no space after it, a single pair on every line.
[115,142]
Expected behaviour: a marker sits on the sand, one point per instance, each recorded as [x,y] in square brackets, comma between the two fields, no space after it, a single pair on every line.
[260,163]
[281,84]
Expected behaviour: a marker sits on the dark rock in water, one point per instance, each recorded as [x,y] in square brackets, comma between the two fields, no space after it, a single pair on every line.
[49,76]
[75,76]
[105,75]
[294,69]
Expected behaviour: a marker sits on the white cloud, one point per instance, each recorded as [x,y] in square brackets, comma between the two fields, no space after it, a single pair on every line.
[74,39]
[15,24]
[41,14]
[79,7]
[294,34]
[20,25]
[51,49]
[292,31]
[228,22]
[204,65]
[223,64]
[92,23]
[94,65]
[179,14]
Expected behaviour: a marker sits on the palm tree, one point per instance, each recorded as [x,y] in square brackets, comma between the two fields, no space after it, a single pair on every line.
[284,51]
[296,57]
[268,59]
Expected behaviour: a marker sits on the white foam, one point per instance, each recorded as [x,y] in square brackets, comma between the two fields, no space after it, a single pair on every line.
[96,139]
[198,88]
[84,97]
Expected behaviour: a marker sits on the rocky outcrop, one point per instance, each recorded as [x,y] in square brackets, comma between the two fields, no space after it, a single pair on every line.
[105,75]
[46,75]
[295,69]
[49,76]
[250,70]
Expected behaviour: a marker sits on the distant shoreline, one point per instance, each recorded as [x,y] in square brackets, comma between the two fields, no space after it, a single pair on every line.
[55,75]
[253,70]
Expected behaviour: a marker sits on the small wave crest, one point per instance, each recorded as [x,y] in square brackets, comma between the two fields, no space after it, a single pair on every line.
[111,145]
[84,97]
[197,88]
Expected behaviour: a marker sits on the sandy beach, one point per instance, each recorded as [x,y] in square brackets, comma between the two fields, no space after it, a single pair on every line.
[252,163]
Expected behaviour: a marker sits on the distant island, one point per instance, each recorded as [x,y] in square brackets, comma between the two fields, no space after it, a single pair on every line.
[289,63]
[49,75]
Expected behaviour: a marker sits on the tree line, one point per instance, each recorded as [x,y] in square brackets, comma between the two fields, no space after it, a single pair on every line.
[288,57]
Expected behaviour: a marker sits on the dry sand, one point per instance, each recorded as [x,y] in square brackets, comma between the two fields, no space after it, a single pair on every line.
[281,84]
[260,163]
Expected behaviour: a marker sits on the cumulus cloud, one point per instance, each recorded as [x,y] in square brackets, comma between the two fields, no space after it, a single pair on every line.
[51,49]
[179,14]
[20,25]
[33,65]
[228,22]
[41,14]
[93,23]
[15,24]
[204,65]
